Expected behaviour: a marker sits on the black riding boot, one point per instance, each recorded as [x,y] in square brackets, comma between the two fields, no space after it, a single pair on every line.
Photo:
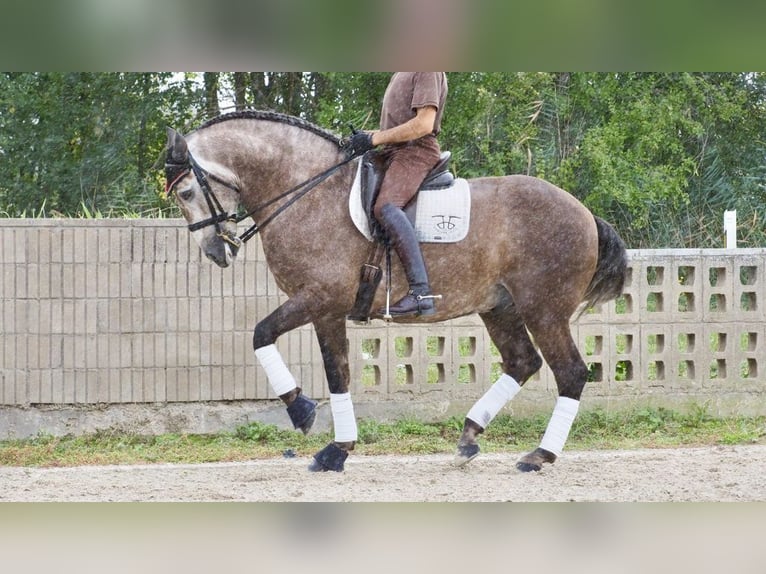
[401,234]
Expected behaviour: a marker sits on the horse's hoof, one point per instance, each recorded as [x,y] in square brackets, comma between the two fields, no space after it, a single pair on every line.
[533,462]
[466,453]
[314,466]
[528,467]
[308,422]
[303,413]
[331,457]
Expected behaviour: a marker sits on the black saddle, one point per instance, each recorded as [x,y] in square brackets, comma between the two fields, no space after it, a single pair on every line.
[373,169]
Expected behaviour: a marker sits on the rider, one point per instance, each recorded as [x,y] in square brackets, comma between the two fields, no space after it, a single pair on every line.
[410,120]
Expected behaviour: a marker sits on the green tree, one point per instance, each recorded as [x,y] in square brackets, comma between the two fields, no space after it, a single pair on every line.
[630,145]
[351,98]
[489,121]
[660,155]
[75,141]
[294,93]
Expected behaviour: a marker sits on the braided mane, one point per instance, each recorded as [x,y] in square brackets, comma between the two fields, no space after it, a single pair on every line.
[273,117]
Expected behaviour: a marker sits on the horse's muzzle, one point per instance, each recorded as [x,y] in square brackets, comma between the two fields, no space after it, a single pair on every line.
[222,252]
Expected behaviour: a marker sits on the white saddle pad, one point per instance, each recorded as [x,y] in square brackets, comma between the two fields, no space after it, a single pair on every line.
[442,215]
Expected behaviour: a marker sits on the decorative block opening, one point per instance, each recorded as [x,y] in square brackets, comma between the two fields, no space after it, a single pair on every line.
[748,369]
[656,343]
[370,349]
[686,275]
[718,369]
[656,371]
[403,375]
[623,304]
[403,347]
[595,373]
[435,374]
[686,342]
[495,371]
[597,309]
[717,303]
[686,370]
[493,350]
[654,302]
[748,275]
[466,346]
[655,275]
[466,374]
[370,376]
[686,302]
[624,343]
[718,342]
[717,276]
[748,301]
[623,371]
[594,345]
[748,342]
[435,346]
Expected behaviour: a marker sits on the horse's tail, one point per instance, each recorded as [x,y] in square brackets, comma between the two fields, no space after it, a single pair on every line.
[609,278]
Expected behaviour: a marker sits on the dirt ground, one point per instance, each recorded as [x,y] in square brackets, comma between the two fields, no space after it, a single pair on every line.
[721,473]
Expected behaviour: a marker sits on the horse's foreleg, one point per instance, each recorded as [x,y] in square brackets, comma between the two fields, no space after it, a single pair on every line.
[520,361]
[331,334]
[291,315]
[571,373]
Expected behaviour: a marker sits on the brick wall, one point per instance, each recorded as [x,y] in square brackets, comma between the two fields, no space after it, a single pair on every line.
[127,312]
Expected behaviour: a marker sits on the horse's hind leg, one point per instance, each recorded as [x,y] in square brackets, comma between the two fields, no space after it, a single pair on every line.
[331,334]
[571,373]
[520,361]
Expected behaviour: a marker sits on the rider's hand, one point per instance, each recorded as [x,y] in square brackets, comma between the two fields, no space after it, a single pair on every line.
[359,143]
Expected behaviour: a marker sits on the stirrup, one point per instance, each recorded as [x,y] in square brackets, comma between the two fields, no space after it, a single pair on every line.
[419,311]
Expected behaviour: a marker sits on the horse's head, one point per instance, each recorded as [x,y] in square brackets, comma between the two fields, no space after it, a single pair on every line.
[208,196]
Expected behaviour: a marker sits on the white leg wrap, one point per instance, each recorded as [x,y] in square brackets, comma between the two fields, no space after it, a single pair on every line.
[487,407]
[557,432]
[279,376]
[343,417]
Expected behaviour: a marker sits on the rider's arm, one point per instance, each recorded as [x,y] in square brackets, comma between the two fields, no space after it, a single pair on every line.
[422,124]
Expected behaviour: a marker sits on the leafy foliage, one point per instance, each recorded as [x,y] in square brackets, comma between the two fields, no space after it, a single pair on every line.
[631,146]
[85,140]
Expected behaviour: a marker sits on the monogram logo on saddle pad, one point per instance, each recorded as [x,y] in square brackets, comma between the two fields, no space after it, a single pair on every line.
[438,215]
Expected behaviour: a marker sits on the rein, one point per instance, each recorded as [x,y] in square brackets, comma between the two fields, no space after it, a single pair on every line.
[299,190]
[217,213]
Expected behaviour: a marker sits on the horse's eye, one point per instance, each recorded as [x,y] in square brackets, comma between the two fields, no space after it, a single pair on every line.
[186,194]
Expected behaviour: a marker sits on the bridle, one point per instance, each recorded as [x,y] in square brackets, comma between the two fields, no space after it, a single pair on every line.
[176,171]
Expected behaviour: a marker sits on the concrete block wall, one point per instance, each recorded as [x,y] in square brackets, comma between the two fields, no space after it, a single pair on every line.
[124,311]
[690,325]
[105,312]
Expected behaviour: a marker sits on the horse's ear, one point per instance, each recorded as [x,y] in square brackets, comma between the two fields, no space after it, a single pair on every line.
[177,148]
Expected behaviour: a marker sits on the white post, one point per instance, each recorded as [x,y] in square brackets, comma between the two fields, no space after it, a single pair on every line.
[730,228]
